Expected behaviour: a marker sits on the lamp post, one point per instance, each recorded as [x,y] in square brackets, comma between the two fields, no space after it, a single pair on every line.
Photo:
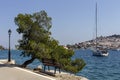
[9,54]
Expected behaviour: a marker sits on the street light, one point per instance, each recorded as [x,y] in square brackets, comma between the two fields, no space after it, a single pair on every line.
[9,54]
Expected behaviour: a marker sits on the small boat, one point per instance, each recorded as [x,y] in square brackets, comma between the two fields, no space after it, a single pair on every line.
[99,51]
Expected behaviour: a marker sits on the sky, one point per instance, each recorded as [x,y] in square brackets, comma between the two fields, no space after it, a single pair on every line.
[73,21]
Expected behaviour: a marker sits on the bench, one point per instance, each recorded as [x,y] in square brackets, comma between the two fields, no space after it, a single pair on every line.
[51,62]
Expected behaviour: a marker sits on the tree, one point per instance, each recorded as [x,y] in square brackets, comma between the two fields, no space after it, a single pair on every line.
[63,57]
[35,33]
[1,47]
[37,42]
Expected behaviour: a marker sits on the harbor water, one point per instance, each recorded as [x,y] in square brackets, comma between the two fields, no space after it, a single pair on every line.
[100,68]
[97,68]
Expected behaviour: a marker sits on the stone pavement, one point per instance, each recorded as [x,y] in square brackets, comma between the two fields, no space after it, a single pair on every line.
[10,72]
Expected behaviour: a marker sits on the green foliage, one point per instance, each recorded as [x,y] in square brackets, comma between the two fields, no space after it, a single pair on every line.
[78,64]
[35,33]
[37,42]
[1,47]
[63,56]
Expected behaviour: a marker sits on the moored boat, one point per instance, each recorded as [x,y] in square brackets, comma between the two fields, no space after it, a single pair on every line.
[99,51]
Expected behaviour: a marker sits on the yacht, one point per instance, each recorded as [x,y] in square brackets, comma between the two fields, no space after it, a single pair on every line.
[98,51]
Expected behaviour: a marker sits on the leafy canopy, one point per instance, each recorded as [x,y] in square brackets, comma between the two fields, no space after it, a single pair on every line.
[35,33]
[37,42]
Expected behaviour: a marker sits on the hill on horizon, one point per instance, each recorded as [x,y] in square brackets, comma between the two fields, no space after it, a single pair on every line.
[109,42]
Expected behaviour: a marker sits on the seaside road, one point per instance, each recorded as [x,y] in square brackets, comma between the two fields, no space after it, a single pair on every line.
[15,73]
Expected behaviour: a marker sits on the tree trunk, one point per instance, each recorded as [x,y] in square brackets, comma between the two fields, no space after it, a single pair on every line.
[27,62]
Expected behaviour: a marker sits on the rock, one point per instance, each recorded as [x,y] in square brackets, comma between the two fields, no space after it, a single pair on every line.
[69,77]
[40,67]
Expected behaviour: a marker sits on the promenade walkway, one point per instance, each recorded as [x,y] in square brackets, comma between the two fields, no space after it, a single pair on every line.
[9,72]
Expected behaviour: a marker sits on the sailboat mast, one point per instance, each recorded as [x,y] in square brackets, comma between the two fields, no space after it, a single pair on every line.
[96,22]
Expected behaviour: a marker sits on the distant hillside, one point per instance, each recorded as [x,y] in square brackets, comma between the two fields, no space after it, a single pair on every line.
[109,42]
[116,36]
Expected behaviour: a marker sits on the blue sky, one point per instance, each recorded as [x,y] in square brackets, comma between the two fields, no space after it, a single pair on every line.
[73,21]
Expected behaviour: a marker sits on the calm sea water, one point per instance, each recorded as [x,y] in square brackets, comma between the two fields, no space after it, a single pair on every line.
[97,68]
[100,68]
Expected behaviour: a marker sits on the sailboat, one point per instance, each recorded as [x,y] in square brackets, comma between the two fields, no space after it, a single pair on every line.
[98,50]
